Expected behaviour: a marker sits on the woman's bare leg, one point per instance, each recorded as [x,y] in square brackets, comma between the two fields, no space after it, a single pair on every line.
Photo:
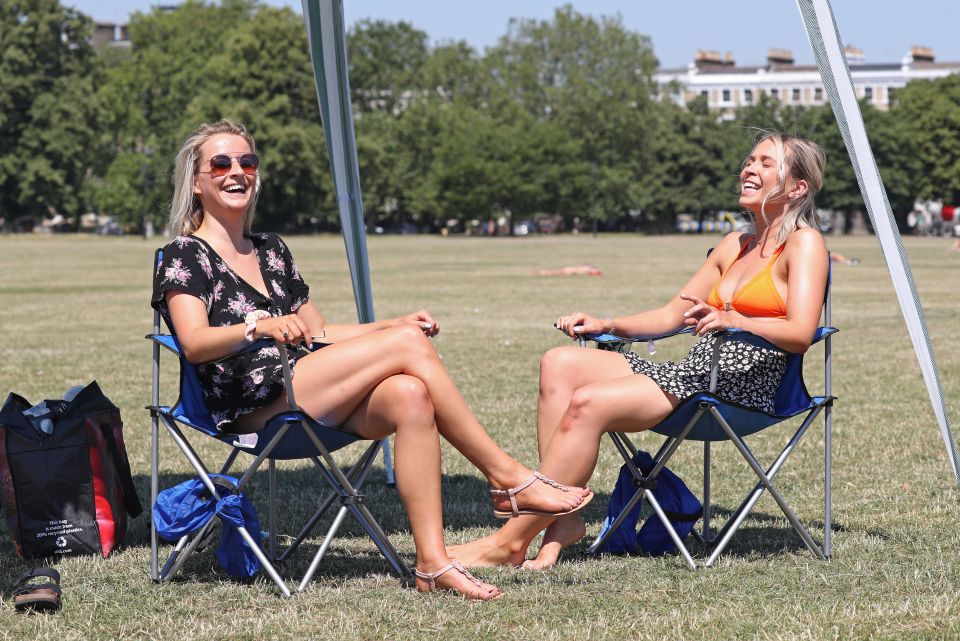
[401,404]
[331,383]
[562,371]
[631,403]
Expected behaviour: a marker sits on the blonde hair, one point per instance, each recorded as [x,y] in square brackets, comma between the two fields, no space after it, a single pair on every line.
[186,210]
[805,160]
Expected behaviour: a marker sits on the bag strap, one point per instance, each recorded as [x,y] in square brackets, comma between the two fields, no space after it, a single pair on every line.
[130,498]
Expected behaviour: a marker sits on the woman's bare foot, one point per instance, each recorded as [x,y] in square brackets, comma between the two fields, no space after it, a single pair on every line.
[487,552]
[542,496]
[562,533]
[453,576]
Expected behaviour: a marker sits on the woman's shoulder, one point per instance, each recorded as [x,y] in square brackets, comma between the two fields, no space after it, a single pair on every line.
[182,244]
[266,239]
[806,239]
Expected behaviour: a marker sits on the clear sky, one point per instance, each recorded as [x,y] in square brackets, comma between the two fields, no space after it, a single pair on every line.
[884,29]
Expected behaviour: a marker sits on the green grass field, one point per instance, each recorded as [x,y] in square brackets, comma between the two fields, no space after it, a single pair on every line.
[74,309]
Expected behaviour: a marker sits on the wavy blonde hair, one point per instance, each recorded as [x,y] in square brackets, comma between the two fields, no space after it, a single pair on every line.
[804,160]
[186,210]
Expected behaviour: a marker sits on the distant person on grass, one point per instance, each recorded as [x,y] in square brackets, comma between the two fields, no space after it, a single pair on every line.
[770,282]
[220,287]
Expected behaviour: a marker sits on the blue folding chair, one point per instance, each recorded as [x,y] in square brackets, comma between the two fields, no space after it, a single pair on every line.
[286,436]
[706,417]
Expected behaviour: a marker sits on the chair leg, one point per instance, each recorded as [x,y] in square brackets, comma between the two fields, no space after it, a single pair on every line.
[706,492]
[774,492]
[357,476]
[339,482]
[602,539]
[669,527]
[318,557]
[272,507]
[828,481]
[154,491]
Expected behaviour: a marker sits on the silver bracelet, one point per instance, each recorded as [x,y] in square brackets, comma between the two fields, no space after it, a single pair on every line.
[613,324]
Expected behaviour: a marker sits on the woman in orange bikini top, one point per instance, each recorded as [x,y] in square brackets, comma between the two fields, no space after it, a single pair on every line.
[770,284]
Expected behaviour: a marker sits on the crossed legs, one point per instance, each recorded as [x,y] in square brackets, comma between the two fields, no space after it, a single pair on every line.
[393,381]
[583,394]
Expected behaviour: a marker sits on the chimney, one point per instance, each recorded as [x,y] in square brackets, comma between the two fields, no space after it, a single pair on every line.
[919,53]
[779,57]
[705,59]
[854,55]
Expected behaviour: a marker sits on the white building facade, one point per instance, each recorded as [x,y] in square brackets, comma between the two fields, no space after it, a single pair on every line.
[727,86]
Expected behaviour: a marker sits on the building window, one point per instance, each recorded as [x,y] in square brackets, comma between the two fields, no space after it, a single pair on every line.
[796,94]
[868,93]
[748,96]
[726,95]
[775,93]
[818,94]
[891,95]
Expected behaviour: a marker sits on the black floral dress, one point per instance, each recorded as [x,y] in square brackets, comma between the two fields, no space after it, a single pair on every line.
[748,375]
[241,383]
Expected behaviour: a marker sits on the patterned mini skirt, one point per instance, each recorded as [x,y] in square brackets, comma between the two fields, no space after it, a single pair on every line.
[747,375]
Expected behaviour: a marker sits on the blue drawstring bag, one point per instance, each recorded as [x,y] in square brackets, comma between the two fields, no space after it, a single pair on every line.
[185,508]
[677,501]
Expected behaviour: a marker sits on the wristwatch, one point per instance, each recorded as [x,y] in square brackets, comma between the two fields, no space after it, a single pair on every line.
[251,321]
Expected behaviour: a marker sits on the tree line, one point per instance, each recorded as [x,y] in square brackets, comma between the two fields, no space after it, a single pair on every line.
[561,116]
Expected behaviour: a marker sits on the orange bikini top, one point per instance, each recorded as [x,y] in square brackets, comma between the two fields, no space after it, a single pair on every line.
[759,297]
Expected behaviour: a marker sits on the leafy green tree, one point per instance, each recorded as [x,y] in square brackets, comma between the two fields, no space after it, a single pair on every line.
[386,60]
[593,78]
[47,121]
[263,78]
[145,97]
[930,111]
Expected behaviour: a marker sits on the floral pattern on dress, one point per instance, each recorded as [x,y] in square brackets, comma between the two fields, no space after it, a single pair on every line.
[177,273]
[747,375]
[275,262]
[244,382]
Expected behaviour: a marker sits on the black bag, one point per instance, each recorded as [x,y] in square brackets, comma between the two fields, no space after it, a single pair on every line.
[67,492]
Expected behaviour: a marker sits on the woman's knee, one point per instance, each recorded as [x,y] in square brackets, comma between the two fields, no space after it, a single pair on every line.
[556,368]
[584,411]
[409,340]
[406,401]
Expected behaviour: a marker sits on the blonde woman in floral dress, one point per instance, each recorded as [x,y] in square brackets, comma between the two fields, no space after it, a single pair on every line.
[220,287]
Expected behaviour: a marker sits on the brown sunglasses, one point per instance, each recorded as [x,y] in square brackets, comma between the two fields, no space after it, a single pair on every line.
[221,164]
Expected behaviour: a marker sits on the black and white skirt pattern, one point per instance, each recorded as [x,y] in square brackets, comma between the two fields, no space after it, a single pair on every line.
[748,375]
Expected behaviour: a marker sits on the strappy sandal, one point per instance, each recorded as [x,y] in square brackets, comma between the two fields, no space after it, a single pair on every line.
[37,597]
[512,495]
[431,579]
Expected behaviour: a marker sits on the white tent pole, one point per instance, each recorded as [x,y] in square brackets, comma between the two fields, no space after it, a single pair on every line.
[826,44]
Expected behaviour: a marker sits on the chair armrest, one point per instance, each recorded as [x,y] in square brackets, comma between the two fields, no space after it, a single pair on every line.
[171,343]
[732,334]
[610,338]
[744,336]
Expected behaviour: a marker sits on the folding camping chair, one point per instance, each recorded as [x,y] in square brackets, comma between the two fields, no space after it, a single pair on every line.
[707,418]
[287,436]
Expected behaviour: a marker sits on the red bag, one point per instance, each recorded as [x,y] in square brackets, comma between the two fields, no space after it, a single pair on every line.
[68,492]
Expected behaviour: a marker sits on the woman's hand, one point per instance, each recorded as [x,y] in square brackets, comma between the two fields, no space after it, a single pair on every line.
[706,318]
[288,329]
[423,320]
[579,323]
